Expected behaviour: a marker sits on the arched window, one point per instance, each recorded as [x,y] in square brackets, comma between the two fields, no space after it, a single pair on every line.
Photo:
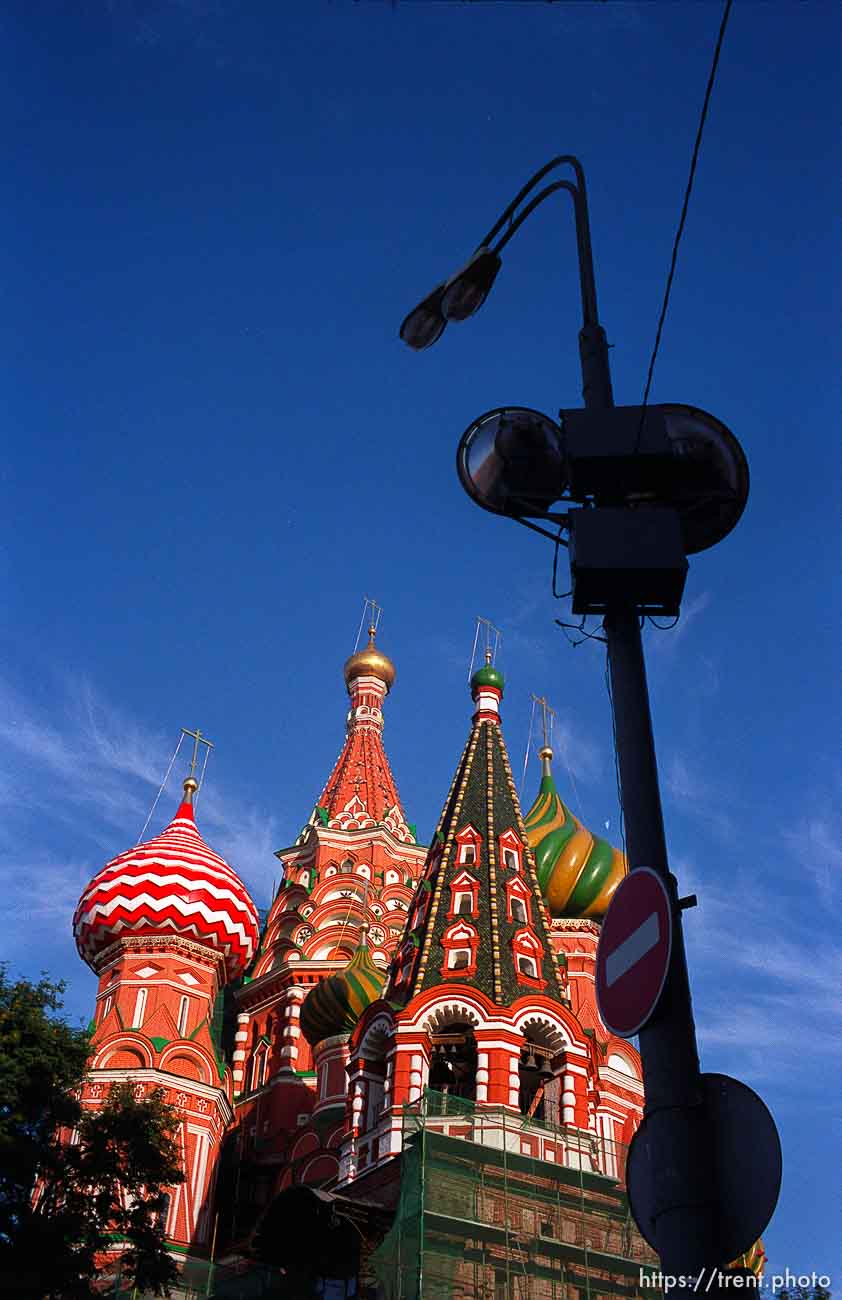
[468,841]
[518,901]
[139,1009]
[375,1102]
[183,1014]
[460,942]
[259,1063]
[464,894]
[527,956]
[511,852]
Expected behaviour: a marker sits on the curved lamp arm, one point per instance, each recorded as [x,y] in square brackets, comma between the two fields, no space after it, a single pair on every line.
[587,281]
[558,161]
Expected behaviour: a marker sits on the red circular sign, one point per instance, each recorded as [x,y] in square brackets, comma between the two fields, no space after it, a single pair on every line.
[633,955]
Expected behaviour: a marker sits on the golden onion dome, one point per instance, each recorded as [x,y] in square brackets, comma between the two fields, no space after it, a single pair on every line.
[370,662]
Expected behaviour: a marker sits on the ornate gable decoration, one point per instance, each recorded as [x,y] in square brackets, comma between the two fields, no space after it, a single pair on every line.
[511,851]
[353,817]
[528,959]
[464,895]
[518,902]
[460,943]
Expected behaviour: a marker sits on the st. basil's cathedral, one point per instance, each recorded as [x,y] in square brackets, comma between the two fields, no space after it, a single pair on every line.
[399,1084]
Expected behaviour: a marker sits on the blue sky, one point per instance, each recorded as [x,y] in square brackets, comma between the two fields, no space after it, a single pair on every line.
[216,217]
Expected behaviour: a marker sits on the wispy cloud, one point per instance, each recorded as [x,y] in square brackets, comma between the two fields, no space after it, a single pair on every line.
[665,643]
[72,754]
[816,843]
[42,892]
[577,750]
[765,982]
[697,794]
[86,775]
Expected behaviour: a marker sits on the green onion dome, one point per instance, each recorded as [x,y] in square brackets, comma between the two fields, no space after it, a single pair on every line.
[487,676]
[335,1005]
[578,872]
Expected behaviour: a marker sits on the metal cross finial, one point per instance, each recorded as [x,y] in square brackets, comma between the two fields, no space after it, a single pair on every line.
[547,717]
[198,739]
[491,635]
[374,619]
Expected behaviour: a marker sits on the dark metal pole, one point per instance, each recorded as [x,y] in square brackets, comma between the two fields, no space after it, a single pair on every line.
[686,1222]
[685,1200]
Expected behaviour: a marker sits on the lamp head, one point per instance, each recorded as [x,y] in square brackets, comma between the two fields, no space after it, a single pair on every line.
[467,290]
[510,461]
[425,323]
[667,455]
[713,480]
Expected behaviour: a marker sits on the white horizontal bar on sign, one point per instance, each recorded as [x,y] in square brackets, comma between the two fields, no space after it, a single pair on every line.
[631,950]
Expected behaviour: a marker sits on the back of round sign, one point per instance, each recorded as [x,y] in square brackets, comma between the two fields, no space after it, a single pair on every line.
[747,1160]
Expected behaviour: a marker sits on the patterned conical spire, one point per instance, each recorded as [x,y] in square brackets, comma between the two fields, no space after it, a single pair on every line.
[478,916]
[578,872]
[360,791]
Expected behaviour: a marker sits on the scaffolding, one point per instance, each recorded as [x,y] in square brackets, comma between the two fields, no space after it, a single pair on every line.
[497,1206]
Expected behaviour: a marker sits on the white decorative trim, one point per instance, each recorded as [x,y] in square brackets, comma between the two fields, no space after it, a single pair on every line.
[450,1010]
[165,1080]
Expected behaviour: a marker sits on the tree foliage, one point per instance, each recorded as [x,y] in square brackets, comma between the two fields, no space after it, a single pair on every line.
[73,1179]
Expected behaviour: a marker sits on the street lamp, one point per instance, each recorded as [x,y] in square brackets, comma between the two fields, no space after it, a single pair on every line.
[662,482]
[425,323]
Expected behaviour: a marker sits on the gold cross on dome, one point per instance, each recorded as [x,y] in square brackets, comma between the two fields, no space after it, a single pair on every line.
[198,739]
[547,717]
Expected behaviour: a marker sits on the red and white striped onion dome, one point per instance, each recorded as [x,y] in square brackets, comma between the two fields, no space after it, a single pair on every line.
[172,885]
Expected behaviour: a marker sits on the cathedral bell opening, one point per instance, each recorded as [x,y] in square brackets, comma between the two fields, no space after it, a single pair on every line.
[540,1085]
[453,1065]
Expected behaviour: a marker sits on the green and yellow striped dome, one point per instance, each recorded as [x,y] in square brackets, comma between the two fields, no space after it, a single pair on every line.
[578,872]
[754,1259]
[335,1005]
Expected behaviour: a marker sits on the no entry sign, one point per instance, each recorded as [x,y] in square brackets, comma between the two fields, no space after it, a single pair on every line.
[633,955]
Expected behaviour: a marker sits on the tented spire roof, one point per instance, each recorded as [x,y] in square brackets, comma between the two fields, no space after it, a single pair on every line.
[478,917]
[360,791]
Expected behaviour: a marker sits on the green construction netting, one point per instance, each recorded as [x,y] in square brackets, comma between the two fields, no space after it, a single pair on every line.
[494,1206]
